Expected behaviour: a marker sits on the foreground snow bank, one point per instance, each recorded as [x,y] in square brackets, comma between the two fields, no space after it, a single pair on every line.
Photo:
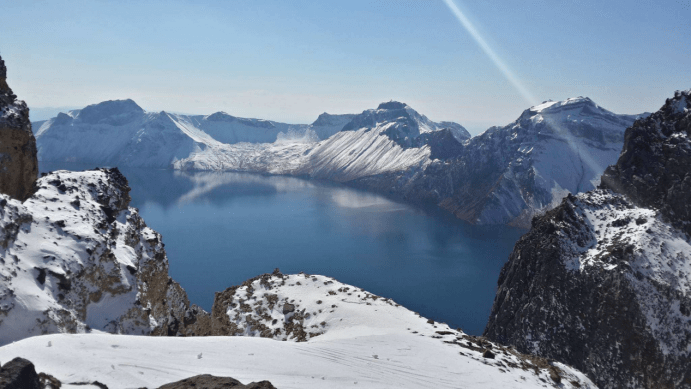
[396,359]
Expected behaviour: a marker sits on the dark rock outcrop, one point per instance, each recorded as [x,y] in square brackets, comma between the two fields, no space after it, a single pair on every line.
[18,156]
[207,381]
[654,167]
[19,373]
[602,282]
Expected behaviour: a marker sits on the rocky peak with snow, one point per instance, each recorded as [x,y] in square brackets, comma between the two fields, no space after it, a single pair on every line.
[112,112]
[18,161]
[509,174]
[575,117]
[326,119]
[308,308]
[224,117]
[327,124]
[403,123]
[75,258]
[602,282]
[654,167]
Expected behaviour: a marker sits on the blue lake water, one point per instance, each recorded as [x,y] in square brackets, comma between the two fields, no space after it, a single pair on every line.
[223,228]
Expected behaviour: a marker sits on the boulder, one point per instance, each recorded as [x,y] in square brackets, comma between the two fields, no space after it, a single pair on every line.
[19,373]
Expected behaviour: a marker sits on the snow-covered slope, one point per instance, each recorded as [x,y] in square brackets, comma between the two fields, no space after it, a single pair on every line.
[505,175]
[116,133]
[121,133]
[391,138]
[411,123]
[364,340]
[508,174]
[74,258]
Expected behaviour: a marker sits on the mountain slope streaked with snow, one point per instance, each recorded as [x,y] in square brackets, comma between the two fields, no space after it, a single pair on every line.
[392,138]
[504,175]
[602,281]
[508,174]
[120,132]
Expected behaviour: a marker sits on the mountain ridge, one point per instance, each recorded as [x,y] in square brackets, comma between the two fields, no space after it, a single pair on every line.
[602,282]
[505,175]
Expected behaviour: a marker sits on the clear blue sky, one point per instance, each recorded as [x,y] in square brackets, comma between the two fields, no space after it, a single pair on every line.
[292,60]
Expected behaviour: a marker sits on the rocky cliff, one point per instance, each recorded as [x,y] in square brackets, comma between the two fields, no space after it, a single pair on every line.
[602,282]
[654,168]
[74,257]
[18,162]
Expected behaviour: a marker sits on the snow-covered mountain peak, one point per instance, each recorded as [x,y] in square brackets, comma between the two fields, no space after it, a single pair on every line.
[113,112]
[578,117]
[224,117]
[549,105]
[220,116]
[402,124]
[392,105]
[326,119]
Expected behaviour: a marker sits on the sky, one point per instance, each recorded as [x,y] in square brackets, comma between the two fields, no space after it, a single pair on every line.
[478,63]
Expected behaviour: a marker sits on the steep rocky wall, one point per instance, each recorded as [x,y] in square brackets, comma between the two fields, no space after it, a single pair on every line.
[602,282]
[75,257]
[18,161]
[654,167]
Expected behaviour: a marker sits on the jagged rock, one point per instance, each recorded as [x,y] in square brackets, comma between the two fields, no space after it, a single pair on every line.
[654,167]
[19,373]
[602,282]
[207,381]
[96,265]
[18,156]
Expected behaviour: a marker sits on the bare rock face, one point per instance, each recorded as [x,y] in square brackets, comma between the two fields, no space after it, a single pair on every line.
[602,282]
[654,167]
[18,157]
[75,257]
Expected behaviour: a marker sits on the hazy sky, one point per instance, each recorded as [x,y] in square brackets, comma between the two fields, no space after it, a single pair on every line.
[292,60]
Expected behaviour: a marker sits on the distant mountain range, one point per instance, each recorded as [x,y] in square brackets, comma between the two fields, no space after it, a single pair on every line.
[504,175]
[508,174]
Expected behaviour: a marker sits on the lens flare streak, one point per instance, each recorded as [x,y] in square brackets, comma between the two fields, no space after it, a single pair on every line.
[509,75]
[558,128]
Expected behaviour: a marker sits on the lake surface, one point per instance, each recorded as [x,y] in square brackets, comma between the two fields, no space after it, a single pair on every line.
[222,228]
